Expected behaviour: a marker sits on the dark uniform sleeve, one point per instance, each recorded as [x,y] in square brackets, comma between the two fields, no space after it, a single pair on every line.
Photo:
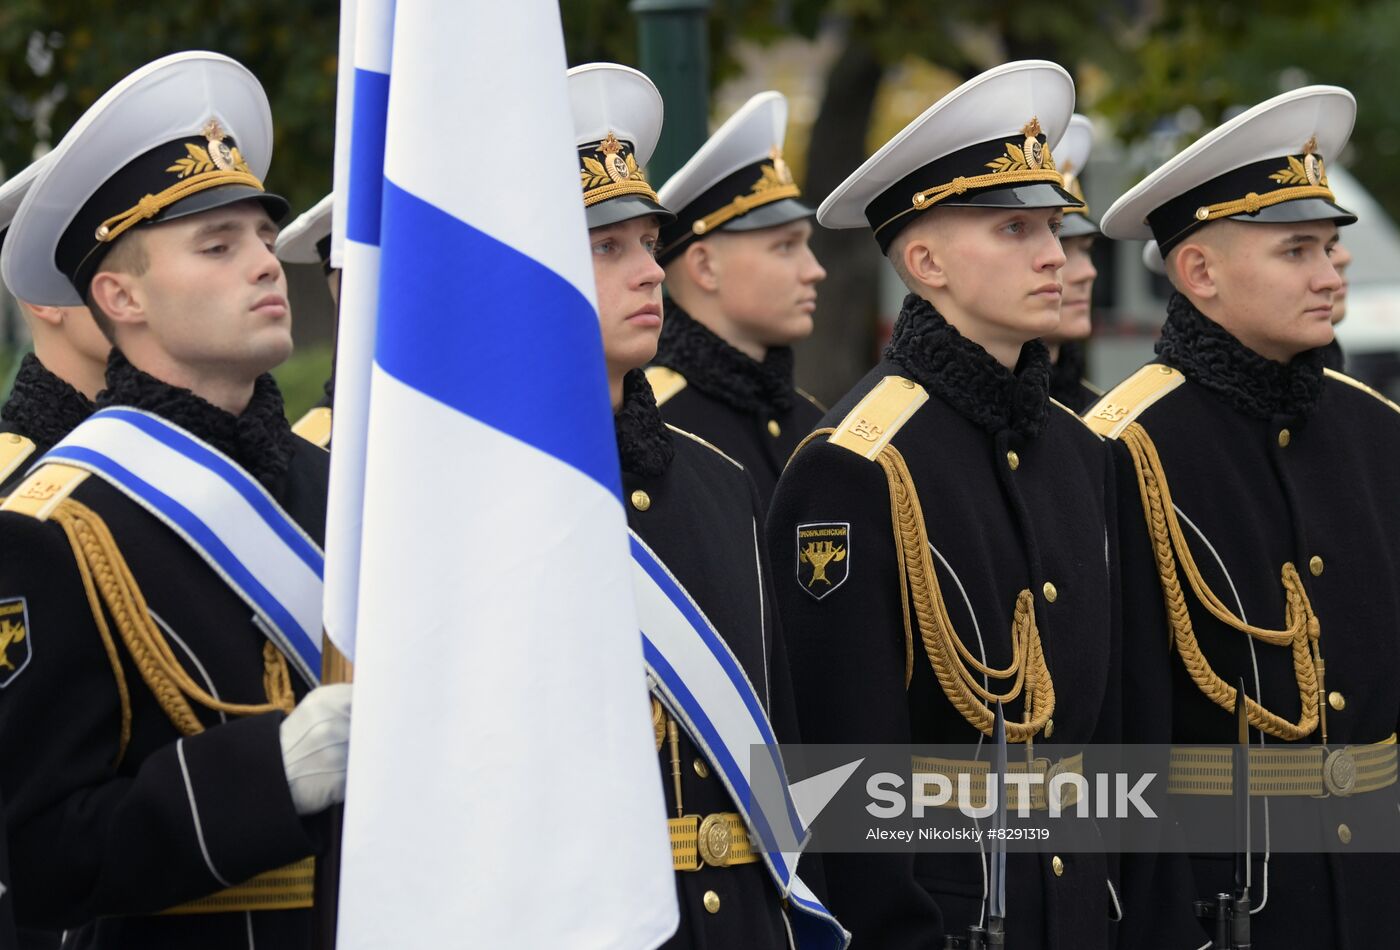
[88,837]
[848,664]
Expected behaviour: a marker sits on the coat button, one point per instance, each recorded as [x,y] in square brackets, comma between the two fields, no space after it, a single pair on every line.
[1057,865]
[1284,437]
[1013,460]
[1049,729]
[711,902]
[1315,565]
[641,500]
[774,429]
[1336,700]
[1344,834]
[701,769]
[1050,592]
[12,437]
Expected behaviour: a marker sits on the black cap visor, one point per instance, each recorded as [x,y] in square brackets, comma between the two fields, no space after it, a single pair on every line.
[783,211]
[1078,225]
[1304,209]
[1036,194]
[624,208]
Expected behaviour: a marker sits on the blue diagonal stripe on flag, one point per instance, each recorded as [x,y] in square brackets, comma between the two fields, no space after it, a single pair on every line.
[450,359]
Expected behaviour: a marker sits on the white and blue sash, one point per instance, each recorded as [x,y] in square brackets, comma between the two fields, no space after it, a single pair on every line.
[699,680]
[221,511]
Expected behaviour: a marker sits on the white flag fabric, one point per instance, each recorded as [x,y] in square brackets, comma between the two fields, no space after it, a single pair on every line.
[361,152]
[503,787]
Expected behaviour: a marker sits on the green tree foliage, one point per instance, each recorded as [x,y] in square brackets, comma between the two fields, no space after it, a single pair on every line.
[58,56]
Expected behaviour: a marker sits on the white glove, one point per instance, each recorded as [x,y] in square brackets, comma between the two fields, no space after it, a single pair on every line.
[315,746]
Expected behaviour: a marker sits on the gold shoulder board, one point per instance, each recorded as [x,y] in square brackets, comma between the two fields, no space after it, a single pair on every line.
[868,428]
[315,426]
[1358,384]
[709,445]
[1130,398]
[665,382]
[40,493]
[14,449]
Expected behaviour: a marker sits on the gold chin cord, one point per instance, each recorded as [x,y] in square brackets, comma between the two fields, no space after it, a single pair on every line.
[1301,633]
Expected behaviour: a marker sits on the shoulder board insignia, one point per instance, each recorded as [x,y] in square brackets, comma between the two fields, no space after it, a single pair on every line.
[665,383]
[868,428]
[1358,384]
[810,398]
[14,449]
[695,438]
[40,493]
[1130,398]
[315,426]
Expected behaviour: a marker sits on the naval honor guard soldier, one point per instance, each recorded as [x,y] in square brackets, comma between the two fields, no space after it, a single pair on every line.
[1257,494]
[948,508]
[163,742]
[742,282]
[694,509]
[1077,234]
[307,240]
[56,383]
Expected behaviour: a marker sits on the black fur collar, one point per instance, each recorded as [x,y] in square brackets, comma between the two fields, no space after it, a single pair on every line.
[1067,373]
[643,443]
[969,378]
[722,372]
[260,439]
[43,407]
[1258,387]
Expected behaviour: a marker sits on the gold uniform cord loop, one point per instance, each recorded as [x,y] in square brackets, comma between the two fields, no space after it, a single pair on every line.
[946,652]
[107,581]
[1302,632]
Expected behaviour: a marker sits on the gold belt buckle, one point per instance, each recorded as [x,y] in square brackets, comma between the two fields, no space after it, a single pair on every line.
[1339,772]
[715,841]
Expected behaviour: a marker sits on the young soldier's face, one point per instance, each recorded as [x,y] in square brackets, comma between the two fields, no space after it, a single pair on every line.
[999,269]
[766,282]
[629,290]
[1275,284]
[1077,276]
[214,296]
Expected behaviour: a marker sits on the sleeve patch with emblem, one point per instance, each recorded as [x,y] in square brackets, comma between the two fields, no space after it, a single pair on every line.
[15,648]
[823,556]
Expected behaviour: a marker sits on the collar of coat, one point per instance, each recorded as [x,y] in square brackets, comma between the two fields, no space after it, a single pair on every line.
[259,439]
[1210,355]
[721,371]
[42,407]
[644,446]
[967,377]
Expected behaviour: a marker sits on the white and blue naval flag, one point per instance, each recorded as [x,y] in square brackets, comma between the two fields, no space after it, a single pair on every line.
[368,30]
[503,786]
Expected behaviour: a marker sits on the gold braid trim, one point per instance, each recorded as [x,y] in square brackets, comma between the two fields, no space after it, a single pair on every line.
[1252,202]
[929,197]
[946,653]
[1302,632]
[631,186]
[109,583]
[151,205]
[743,204]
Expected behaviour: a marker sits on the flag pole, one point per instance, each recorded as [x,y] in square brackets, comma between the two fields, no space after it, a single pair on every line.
[335,668]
